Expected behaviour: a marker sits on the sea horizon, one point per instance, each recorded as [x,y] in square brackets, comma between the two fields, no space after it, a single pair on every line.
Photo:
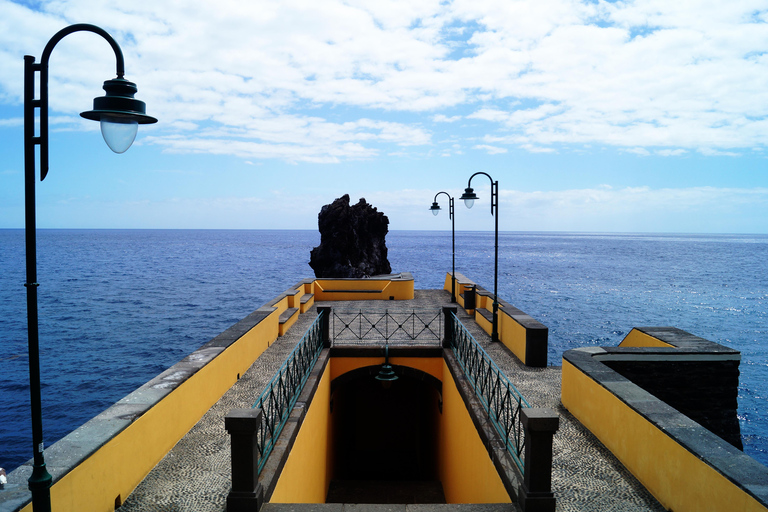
[120,305]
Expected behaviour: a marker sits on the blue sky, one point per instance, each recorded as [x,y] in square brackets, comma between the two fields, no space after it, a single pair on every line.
[593,116]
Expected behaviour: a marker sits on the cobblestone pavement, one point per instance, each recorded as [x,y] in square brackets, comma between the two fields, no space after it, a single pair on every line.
[195,475]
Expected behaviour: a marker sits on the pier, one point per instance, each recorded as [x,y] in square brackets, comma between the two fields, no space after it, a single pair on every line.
[195,475]
[177,426]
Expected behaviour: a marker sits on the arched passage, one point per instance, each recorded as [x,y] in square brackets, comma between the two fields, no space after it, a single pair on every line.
[385,434]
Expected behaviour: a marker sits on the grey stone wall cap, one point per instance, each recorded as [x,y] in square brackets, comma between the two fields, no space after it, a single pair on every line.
[684,340]
[242,420]
[742,470]
[540,419]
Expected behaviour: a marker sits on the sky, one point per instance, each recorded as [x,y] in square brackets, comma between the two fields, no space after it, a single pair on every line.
[596,116]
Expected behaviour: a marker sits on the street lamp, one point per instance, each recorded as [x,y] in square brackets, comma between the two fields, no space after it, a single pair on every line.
[435,209]
[469,198]
[120,114]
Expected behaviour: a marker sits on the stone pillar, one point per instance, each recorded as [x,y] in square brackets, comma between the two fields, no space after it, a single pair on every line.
[325,324]
[448,325]
[540,426]
[247,494]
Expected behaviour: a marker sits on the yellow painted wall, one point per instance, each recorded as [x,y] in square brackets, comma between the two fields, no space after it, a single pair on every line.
[400,289]
[636,338]
[305,288]
[431,365]
[677,478]
[283,328]
[120,465]
[466,470]
[513,335]
[307,472]
[447,283]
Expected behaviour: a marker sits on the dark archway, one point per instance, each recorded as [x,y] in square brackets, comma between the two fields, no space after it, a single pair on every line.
[383,435]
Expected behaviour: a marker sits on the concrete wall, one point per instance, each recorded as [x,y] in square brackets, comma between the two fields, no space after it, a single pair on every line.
[307,472]
[100,463]
[684,465]
[159,413]
[525,336]
[466,470]
[393,287]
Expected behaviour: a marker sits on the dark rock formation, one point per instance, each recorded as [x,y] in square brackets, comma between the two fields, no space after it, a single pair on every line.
[351,241]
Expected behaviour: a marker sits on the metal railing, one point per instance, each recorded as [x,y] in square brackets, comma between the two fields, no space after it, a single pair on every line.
[281,393]
[414,327]
[499,397]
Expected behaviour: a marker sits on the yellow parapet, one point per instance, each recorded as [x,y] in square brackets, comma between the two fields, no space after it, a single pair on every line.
[108,475]
[523,335]
[307,472]
[679,477]
[392,287]
[466,470]
[636,338]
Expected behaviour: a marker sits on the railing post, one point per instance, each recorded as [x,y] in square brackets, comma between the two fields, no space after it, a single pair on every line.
[540,426]
[325,324]
[247,493]
[448,325]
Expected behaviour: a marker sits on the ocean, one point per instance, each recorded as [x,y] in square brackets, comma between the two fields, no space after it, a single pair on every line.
[117,307]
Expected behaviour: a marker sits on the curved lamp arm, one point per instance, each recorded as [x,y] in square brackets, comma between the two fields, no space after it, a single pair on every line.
[118,106]
[435,208]
[469,195]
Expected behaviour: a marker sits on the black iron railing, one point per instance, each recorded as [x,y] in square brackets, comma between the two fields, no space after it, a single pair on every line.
[281,393]
[421,327]
[499,397]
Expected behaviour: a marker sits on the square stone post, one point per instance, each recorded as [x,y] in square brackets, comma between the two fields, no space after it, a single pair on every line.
[247,494]
[540,426]
[448,325]
[325,324]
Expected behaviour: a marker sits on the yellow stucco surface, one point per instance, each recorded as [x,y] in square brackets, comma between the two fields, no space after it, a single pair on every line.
[636,338]
[677,478]
[466,470]
[116,468]
[307,472]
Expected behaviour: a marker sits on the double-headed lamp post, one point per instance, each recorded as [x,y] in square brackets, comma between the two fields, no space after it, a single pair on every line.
[435,209]
[469,197]
[120,114]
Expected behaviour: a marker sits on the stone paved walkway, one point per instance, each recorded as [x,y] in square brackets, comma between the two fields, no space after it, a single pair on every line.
[195,475]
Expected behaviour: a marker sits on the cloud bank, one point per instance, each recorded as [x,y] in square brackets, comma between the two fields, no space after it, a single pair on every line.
[327,81]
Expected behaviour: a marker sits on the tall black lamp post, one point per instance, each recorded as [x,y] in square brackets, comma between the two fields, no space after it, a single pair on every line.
[435,209]
[120,114]
[469,197]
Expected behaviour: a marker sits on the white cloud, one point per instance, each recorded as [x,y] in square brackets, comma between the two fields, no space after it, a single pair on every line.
[491,150]
[440,118]
[671,152]
[332,80]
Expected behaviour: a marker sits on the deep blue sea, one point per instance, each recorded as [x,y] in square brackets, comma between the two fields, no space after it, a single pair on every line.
[117,307]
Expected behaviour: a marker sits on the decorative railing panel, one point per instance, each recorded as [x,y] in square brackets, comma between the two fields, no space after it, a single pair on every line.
[499,397]
[414,327]
[281,393]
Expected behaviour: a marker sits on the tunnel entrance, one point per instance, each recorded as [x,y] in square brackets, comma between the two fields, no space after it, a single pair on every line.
[385,440]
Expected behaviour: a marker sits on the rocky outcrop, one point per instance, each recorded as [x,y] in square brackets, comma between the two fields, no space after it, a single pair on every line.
[352,241]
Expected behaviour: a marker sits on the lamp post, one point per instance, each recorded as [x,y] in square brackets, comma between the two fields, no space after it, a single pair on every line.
[469,198]
[435,209]
[119,114]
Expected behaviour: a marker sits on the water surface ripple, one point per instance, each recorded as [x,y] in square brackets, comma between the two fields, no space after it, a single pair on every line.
[117,307]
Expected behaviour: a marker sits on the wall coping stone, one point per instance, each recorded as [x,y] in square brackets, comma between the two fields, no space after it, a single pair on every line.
[741,469]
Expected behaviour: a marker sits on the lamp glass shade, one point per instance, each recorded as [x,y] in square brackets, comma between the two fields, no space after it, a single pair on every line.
[118,132]
[435,208]
[469,197]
